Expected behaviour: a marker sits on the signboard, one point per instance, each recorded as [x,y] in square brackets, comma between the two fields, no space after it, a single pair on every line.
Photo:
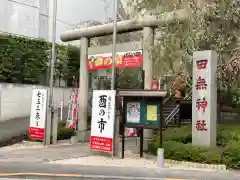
[143,113]
[72,109]
[123,60]
[204,98]
[133,112]
[103,117]
[38,114]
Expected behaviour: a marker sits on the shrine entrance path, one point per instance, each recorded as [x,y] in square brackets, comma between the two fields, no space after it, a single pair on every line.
[39,153]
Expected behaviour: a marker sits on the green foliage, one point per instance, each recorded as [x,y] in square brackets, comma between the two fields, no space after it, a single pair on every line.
[177,146]
[72,64]
[178,134]
[25,60]
[187,152]
[225,133]
[64,133]
[231,155]
[129,78]
[230,97]
[209,26]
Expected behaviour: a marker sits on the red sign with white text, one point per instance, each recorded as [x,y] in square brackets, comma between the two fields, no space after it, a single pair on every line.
[123,60]
[36,133]
[101,143]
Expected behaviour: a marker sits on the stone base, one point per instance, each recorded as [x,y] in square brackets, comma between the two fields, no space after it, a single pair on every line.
[100,153]
[74,140]
[83,136]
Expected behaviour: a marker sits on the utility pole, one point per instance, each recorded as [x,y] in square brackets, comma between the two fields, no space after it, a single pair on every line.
[114,45]
[113,86]
[51,121]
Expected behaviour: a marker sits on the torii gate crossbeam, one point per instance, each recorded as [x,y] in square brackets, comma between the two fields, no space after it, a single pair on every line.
[124,26]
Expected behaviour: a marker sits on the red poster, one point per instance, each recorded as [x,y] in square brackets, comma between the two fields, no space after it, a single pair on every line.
[101,143]
[36,133]
[123,60]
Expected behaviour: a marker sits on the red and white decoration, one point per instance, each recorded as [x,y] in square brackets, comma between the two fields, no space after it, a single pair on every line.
[103,116]
[155,84]
[130,132]
[72,109]
[128,59]
[38,114]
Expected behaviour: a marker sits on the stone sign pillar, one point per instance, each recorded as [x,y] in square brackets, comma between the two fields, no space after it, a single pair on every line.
[204,98]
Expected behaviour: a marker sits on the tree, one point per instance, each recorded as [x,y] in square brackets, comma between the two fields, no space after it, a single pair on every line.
[209,26]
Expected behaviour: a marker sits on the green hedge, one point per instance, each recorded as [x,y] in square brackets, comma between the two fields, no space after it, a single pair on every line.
[229,97]
[186,152]
[177,146]
[63,132]
[26,60]
[225,133]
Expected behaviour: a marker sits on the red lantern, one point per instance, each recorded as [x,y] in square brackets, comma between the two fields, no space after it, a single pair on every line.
[155,84]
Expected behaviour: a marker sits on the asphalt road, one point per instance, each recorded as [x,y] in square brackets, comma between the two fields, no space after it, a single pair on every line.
[52,171]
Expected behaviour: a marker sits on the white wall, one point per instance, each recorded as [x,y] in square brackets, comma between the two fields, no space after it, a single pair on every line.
[15,100]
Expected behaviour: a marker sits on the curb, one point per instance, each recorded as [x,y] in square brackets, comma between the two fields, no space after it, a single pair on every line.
[173,164]
[169,163]
[35,174]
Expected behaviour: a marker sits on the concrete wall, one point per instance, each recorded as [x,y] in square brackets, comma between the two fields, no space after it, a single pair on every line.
[15,100]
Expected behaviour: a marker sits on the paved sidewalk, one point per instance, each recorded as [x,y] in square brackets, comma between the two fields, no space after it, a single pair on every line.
[45,154]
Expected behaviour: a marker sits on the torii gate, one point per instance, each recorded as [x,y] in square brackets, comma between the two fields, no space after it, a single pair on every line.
[147,24]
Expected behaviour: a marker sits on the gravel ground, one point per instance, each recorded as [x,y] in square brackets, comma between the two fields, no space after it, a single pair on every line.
[132,160]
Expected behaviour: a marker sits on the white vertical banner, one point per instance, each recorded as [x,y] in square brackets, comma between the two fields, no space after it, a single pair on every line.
[38,114]
[103,117]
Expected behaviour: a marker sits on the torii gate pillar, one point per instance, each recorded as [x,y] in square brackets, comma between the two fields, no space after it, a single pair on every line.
[83,90]
[147,44]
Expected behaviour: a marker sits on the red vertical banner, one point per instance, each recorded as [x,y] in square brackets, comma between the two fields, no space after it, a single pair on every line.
[72,109]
